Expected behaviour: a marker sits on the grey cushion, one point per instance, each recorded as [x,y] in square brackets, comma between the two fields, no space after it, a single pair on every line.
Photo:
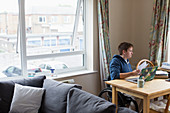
[7,89]
[80,101]
[26,97]
[55,96]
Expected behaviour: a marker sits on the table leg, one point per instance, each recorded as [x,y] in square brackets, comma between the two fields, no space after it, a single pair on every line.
[146,105]
[114,97]
[167,105]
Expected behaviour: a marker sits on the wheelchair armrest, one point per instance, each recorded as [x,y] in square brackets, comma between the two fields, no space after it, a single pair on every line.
[105,80]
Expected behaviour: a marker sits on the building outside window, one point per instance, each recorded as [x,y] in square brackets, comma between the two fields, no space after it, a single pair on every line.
[54,43]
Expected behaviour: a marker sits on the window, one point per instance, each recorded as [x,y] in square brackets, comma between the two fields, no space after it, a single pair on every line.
[42,19]
[168,43]
[66,19]
[52,44]
[168,53]
[9,57]
[54,19]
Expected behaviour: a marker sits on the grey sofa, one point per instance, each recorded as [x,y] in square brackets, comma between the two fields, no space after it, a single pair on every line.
[58,97]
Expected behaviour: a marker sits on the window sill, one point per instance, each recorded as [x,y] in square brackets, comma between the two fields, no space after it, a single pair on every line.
[71,74]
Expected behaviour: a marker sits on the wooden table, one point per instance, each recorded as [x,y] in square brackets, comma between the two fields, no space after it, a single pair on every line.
[152,89]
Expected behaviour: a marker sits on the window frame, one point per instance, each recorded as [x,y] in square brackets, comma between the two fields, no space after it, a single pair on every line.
[25,57]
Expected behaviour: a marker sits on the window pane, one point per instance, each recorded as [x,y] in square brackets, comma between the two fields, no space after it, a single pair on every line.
[54,26]
[59,64]
[10,63]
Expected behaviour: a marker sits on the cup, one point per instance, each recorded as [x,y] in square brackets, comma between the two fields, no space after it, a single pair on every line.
[31,74]
[141,83]
[52,72]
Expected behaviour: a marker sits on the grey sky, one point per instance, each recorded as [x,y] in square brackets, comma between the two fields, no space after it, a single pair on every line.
[12,5]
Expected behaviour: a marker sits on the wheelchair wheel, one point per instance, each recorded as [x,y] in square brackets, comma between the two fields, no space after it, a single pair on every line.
[125,101]
[106,94]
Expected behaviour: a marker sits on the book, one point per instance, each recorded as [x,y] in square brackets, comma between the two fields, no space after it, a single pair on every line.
[165,65]
[161,74]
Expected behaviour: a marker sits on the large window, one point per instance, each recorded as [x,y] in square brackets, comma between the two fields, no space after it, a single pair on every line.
[9,57]
[40,35]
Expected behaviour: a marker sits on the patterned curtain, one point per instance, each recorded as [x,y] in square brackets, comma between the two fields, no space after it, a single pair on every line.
[159,31]
[104,42]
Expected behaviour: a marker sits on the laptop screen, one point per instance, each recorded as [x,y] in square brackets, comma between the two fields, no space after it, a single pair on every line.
[148,73]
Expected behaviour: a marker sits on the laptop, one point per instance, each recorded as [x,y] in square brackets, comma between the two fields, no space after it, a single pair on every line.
[147,74]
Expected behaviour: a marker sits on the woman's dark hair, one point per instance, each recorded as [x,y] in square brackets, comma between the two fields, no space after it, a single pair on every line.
[124,46]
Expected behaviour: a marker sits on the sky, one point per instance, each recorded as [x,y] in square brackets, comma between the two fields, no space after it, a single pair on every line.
[12,5]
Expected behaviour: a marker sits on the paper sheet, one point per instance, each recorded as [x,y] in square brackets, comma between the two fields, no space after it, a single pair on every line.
[143,65]
[161,72]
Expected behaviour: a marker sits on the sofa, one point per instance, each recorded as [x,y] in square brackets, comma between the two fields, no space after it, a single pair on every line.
[41,95]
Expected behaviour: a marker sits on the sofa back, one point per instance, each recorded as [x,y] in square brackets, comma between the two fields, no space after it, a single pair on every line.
[7,89]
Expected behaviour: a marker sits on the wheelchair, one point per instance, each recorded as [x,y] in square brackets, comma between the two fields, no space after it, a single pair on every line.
[123,100]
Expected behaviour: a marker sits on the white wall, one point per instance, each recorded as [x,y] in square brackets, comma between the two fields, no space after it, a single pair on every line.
[130,21]
[120,22]
[141,24]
